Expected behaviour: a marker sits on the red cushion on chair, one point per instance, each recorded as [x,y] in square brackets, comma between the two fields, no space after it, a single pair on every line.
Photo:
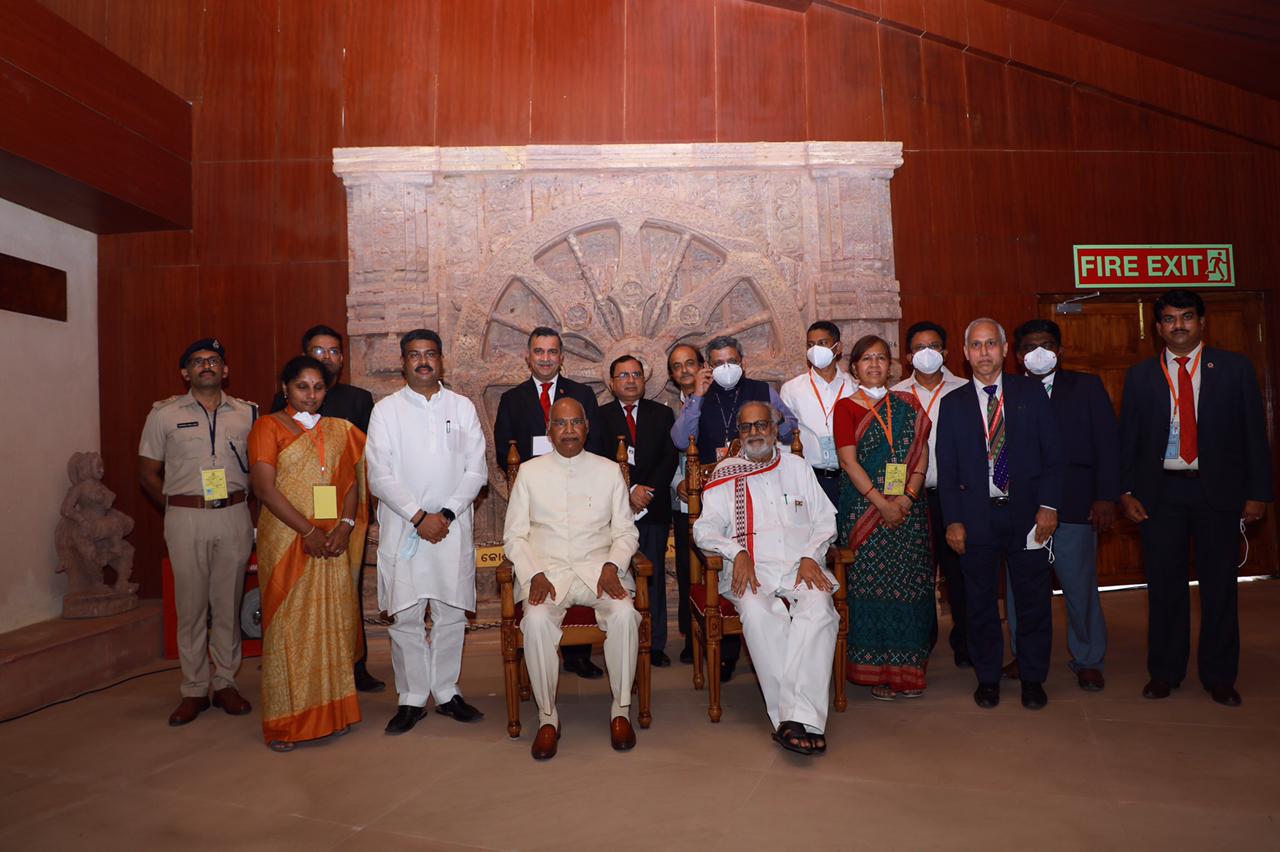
[577,616]
[698,597]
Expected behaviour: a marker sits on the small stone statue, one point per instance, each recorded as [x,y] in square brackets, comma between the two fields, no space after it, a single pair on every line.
[89,536]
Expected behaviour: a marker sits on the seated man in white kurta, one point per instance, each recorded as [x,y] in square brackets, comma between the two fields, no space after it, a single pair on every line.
[426,465]
[766,514]
[570,536]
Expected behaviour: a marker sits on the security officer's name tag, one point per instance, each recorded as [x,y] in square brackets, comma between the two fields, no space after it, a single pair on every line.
[1173,449]
[895,480]
[827,444]
[631,456]
[214,482]
[324,501]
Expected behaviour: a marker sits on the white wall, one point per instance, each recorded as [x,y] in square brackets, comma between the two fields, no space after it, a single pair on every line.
[49,389]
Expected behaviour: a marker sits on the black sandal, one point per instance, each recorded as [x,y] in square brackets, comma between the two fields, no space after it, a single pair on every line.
[818,747]
[793,737]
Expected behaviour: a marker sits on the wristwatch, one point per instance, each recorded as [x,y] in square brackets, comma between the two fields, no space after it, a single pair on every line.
[449,515]
[351,522]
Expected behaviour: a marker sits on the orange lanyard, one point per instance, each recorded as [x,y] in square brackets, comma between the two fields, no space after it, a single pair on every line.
[317,441]
[937,395]
[1164,365]
[888,430]
[826,415]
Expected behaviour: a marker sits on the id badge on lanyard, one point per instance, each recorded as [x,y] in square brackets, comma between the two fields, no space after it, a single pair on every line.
[213,480]
[827,444]
[1173,450]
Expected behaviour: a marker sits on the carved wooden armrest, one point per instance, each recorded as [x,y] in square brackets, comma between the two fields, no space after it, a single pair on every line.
[507,588]
[839,559]
[711,577]
[643,570]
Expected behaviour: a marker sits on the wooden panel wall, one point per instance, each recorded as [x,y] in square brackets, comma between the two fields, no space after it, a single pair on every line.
[1021,139]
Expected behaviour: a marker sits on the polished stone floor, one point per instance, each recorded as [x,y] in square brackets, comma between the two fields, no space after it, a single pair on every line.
[1091,771]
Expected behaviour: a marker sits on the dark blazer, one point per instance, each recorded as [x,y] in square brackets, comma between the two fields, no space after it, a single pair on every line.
[1091,441]
[1036,458]
[346,401]
[520,415]
[1235,458]
[656,458]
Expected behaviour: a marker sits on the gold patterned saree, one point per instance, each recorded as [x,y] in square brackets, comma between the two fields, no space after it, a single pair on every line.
[310,611]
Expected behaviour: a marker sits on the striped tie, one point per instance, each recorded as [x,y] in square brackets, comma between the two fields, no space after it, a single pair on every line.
[998,452]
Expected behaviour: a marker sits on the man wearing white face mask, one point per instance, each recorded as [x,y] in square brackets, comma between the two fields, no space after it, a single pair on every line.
[929,382]
[1091,443]
[813,395]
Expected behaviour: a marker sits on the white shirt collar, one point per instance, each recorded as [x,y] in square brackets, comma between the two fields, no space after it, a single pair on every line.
[979,386]
[841,377]
[537,384]
[1169,357]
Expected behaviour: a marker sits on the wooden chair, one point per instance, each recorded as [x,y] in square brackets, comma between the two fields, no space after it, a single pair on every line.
[713,617]
[579,626]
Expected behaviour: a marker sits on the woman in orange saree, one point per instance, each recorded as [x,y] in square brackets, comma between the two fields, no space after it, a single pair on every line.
[308,471]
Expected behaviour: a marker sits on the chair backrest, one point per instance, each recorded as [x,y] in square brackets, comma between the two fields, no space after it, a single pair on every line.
[513,462]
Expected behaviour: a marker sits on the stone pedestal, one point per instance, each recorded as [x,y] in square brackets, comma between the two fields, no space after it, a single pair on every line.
[97,604]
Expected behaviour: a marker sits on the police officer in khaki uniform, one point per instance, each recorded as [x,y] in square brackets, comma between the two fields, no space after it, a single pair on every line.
[193,460]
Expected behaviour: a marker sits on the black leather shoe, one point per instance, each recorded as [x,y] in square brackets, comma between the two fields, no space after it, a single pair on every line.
[963,661]
[1224,694]
[726,670]
[404,720]
[1156,689]
[1033,696]
[659,659]
[686,655]
[584,668]
[987,695]
[366,682]
[457,708]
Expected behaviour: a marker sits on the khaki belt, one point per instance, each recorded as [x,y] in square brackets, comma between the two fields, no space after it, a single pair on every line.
[192,502]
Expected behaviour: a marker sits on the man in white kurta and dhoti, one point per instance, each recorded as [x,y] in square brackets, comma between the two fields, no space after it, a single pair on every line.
[570,536]
[426,464]
[765,513]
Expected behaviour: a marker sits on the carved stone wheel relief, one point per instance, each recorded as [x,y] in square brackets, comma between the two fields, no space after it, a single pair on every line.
[622,277]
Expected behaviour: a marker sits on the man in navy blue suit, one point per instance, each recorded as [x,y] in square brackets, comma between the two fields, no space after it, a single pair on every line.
[1195,465]
[1000,479]
[1091,443]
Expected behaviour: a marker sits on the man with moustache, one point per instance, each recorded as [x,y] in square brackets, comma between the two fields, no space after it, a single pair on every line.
[645,426]
[1091,443]
[766,514]
[813,395]
[193,460]
[354,405]
[1195,467]
[523,413]
[1000,480]
[426,465]
[719,390]
[570,536]
[929,382]
[683,364]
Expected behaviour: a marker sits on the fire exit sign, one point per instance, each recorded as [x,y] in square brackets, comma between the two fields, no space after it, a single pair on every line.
[1100,267]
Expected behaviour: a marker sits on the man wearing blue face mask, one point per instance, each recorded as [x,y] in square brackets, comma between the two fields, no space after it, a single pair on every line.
[711,414]
[813,395]
[1091,442]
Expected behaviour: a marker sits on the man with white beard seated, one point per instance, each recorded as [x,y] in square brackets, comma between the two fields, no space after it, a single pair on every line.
[764,512]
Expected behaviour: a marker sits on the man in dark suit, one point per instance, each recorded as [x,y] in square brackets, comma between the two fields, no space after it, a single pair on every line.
[645,427]
[684,363]
[523,412]
[1091,443]
[1000,474]
[1195,464]
[354,405]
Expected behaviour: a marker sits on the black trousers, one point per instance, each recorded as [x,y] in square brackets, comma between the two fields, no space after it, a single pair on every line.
[947,563]
[1179,517]
[1032,584]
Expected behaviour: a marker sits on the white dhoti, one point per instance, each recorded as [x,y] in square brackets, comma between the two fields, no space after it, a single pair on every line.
[792,651]
[541,628]
[427,667]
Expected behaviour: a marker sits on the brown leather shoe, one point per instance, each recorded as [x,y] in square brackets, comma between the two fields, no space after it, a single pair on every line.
[1091,680]
[621,734]
[1011,671]
[544,744]
[188,710]
[231,701]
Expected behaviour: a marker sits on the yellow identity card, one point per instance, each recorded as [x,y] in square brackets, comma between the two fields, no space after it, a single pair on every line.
[214,482]
[324,500]
[895,480]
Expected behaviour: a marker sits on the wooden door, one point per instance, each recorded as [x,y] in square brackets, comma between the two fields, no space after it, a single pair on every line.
[1116,330]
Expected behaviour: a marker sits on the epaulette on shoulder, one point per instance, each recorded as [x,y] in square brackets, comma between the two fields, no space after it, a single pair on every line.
[242,401]
[162,403]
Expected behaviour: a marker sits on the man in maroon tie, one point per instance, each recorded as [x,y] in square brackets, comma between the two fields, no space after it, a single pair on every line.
[1195,466]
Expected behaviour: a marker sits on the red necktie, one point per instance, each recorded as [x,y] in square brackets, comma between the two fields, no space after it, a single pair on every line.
[631,423]
[1186,413]
[546,402]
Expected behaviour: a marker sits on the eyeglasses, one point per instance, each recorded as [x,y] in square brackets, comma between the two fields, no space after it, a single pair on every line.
[211,361]
[421,354]
[936,347]
[561,423]
[634,374]
[760,426]
[320,351]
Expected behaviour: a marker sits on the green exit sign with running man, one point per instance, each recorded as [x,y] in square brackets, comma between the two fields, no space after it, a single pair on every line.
[1101,267]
